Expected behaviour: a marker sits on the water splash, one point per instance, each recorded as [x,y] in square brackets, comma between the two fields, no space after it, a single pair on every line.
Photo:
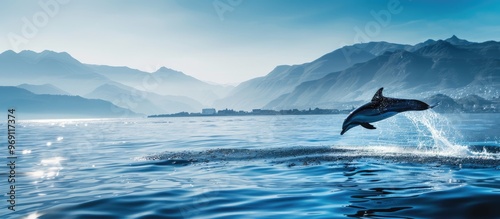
[435,133]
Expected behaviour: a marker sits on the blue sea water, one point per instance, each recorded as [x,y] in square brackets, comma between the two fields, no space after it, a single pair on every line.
[414,165]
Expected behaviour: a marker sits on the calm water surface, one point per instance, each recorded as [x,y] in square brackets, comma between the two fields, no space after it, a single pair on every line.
[414,165]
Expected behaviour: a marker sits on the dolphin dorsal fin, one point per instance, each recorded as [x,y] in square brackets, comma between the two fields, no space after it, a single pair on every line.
[378,95]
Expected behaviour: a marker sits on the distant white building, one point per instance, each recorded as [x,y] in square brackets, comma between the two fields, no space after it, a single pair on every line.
[208,111]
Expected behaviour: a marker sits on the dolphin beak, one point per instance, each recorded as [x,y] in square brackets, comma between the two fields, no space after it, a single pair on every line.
[343,131]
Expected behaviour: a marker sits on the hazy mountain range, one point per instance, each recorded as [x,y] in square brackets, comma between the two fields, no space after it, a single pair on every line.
[165,81]
[29,105]
[52,73]
[454,68]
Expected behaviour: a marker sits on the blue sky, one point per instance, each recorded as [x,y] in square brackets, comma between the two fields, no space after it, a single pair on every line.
[229,41]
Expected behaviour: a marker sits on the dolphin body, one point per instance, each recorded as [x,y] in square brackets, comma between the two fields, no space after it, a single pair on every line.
[380,108]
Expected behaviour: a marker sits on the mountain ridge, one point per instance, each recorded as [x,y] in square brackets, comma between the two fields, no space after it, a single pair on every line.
[164,81]
[29,105]
[438,67]
[266,91]
[35,71]
[48,67]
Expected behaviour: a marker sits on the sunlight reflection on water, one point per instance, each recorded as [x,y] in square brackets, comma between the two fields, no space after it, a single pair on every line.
[47,169]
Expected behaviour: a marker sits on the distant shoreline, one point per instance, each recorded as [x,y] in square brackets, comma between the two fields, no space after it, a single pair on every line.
[257,112]
[317,111]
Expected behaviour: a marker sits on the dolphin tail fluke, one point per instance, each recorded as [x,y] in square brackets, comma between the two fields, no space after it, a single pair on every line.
[368,126]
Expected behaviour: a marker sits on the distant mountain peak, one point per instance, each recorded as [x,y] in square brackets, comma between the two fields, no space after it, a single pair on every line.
[457,41]
[46,54]
[60,55]
[43,53]
[50,52]
[8,52]
[168,71]
[165,69]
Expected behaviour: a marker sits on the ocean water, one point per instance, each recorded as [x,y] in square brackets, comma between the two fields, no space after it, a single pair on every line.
[414,165]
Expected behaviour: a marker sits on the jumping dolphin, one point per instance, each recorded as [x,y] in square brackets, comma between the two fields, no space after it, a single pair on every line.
[380,108]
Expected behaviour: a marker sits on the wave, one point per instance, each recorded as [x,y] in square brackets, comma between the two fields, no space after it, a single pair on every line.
[487,156]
